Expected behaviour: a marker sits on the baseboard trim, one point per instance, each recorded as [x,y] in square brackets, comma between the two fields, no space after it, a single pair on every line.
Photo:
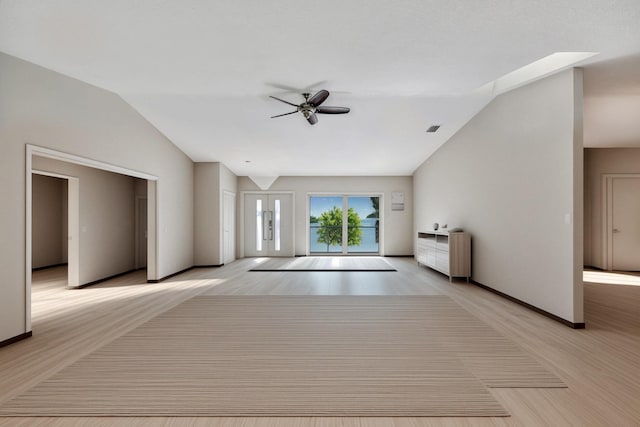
[170,275]
[208,266]
[531,307]
[15,339]
[49,266]
[95,282]
[355,254]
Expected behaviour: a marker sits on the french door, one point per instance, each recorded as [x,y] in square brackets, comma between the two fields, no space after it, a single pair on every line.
[268,225]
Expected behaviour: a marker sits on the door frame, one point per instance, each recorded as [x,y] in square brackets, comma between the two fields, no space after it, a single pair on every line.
[137,231]
[225,256]
[380,195]
[607,215]
[265,193]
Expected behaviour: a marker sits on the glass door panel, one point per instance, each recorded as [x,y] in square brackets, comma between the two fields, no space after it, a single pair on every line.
[269,225]
[363,224]
[325,224]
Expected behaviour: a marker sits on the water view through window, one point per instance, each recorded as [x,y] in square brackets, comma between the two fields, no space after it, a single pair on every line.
[327,232]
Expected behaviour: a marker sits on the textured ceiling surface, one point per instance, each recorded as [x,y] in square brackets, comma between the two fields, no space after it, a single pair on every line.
[202,71]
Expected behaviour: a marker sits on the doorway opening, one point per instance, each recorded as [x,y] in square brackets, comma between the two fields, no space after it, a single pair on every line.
[64,221]
[620,228]
[55,223]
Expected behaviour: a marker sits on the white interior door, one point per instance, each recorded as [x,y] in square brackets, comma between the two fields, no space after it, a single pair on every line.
[229,227]
[625,224]
[268,225]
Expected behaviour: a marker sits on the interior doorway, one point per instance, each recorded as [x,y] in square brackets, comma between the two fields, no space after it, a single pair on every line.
[55,223]
[75,229]
[621,229]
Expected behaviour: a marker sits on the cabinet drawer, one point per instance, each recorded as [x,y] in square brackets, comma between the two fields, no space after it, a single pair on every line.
[427,243]
[442,246]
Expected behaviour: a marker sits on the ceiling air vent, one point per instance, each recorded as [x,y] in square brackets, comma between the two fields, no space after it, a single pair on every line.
[433,128]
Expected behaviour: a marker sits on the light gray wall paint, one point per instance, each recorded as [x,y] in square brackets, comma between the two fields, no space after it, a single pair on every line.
[229,183]
[206,213]
[611,120]
[107,218]
[48,224]
[211,179]
[398,236]
[44,108]
[597,162]
[509,177]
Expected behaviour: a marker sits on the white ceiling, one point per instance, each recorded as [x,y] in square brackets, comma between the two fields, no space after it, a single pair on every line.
[202,71]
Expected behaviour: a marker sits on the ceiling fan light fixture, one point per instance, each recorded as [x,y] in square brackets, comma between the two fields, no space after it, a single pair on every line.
[311,106]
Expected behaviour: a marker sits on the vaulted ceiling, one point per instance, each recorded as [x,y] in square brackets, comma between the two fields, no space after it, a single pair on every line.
[201,71]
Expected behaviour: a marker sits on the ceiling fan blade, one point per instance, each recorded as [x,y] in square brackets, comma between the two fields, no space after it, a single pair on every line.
[319,97]
[285,114]
[312,119]
[298,90]
[332,110]
[282,100]
[284,87]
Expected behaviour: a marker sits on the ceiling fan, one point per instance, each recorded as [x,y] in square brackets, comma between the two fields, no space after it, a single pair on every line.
[311,106]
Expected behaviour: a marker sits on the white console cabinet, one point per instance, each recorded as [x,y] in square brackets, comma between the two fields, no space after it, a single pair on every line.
[448,253]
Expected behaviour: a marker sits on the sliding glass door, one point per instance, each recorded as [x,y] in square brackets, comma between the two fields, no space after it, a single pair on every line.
[344,225]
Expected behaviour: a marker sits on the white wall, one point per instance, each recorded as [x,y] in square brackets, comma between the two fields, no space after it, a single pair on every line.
[398,234]
[597,162]
[211,179]
[44,108]
[107,218]
[48,223]
[510,177]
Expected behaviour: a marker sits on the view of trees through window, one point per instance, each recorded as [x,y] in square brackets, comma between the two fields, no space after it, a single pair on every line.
[327,216]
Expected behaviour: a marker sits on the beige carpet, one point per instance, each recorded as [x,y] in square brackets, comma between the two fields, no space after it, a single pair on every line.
[325,263]
[294,356]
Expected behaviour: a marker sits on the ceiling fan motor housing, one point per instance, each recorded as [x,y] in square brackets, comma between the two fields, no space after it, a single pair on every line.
[307,110]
